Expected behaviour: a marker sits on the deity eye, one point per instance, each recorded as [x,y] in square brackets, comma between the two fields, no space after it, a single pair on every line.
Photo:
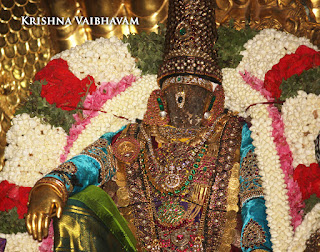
[180,99]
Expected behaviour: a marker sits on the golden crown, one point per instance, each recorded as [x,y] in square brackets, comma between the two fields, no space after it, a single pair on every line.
[191,35]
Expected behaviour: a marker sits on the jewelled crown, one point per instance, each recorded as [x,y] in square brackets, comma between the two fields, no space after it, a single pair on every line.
[191,35]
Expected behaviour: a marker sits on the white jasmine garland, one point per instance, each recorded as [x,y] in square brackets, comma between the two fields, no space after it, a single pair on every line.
[301,116]
[130,104]
[20,242]
[238,94]
[33,150]
[267,48]
[310,224]
[104,59]
[274,187]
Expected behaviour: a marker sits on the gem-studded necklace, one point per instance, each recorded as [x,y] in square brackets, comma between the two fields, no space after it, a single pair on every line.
[175,163]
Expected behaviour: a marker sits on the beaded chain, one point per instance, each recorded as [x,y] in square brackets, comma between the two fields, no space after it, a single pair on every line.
[188,157]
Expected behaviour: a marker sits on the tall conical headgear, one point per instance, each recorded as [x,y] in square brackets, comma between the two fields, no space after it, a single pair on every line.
[191,35]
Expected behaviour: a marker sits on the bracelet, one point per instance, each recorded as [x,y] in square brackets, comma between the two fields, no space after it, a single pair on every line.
[55,184]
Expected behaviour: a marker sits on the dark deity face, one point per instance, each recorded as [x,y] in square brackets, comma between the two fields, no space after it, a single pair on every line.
[186,104]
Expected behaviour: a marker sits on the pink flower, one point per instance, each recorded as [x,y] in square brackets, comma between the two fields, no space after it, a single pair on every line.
[92,105]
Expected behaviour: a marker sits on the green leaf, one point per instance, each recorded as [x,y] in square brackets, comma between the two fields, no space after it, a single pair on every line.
[308,81]
[10,222]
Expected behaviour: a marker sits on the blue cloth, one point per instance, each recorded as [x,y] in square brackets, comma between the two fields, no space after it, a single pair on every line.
[88,168]
[253,210]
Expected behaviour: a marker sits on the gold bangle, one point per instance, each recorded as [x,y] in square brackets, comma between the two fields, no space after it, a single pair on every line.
[55,184]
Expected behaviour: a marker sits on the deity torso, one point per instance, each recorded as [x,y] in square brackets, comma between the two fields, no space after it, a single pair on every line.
[177,187]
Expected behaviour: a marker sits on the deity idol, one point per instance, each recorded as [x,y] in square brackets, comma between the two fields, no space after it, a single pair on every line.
[175,180]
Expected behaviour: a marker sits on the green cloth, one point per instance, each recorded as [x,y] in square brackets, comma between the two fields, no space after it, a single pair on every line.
[92,222]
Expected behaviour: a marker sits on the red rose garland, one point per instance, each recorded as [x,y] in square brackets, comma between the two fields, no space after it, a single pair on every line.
[63,88]
[303,59]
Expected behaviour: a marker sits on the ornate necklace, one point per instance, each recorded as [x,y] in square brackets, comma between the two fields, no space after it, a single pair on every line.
[172,167]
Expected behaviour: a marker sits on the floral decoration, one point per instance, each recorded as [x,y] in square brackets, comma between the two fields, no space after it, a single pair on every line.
[63,88]
[33,150]
[20,242]
[92,106]
[310,224]
[117,112]
[301,117]
[266,49]
[308,178]
[104,59]
[14,196]
[303,59]
[251,99]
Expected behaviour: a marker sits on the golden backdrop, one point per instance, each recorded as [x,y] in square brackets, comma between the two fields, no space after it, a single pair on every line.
[25,49]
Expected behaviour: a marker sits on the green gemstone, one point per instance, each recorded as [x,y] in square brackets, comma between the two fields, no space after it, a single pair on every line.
[193,171]
[206,146]
[159,100]
[187,183]
[198,159]
[176,191]
[179,78]
[190,177]
[182,188]
[195,165]
[200,154]
[183,31]
[170,193]
[204,168]
[203,150]
[211,103]
[143,165]
[142,160]
[164,194]
[161,107]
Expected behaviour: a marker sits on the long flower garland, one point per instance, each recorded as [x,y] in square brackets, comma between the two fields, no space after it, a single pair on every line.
[279,219]
[283,150]
[92,105]
[272,157]
[130,103]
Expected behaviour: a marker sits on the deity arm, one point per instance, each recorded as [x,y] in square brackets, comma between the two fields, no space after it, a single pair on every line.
[93,166]
[255,234]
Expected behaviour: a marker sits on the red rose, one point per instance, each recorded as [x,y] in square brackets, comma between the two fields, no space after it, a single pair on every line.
[63,88]
[308,179]
[7,204]
[14,196]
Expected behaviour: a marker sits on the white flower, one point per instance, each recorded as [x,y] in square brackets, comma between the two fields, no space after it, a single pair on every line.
[33,150]
[309,225]
[20,242]
[301,116]
[238,94]
[266,49]
[104,59]
[130,104]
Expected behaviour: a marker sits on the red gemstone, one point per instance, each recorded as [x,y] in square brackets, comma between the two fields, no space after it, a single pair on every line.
[179,237]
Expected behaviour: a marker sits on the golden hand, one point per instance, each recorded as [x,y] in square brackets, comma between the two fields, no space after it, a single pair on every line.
[45,202]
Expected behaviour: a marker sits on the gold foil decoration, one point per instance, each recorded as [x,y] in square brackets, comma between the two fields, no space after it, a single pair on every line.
[149,14]
[24,50]
[287,15]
